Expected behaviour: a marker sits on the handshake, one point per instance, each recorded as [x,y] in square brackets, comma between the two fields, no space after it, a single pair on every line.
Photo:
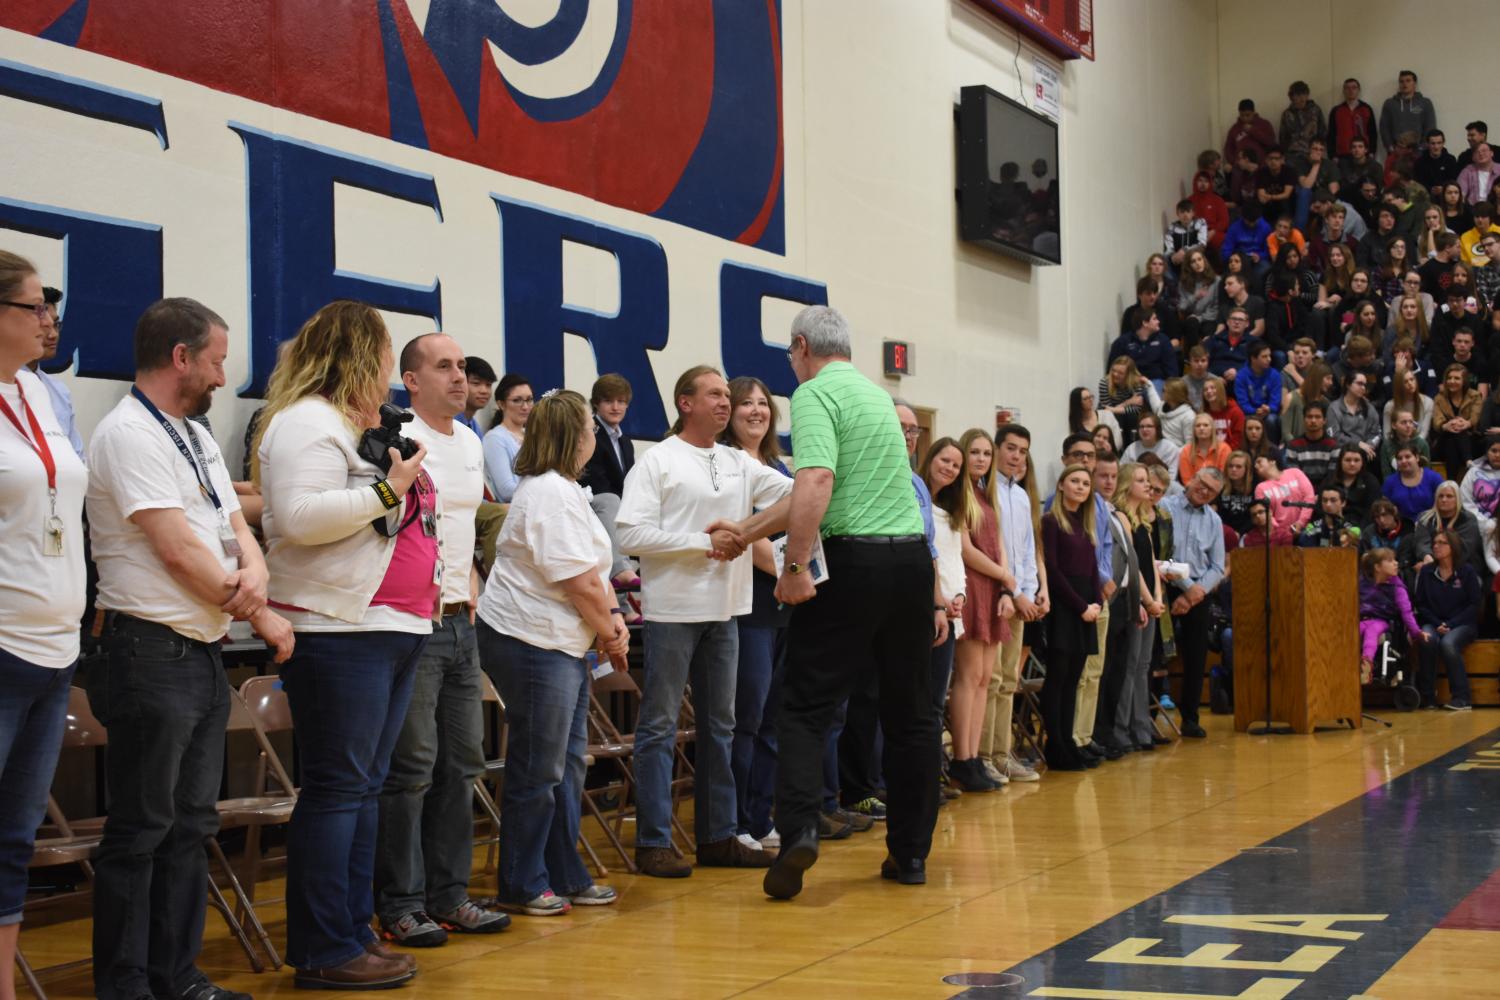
[728,540]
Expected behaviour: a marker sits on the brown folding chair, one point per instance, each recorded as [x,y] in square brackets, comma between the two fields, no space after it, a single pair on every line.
[271,714]
[252,812]
[487,786]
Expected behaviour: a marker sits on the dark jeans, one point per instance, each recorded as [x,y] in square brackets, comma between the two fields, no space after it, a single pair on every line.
[546,695]
[757,692]
[164,699]
[1450,648]
[873,615]
[348,692]
[942,672]
[33,707]
[425,845]
[1191,631]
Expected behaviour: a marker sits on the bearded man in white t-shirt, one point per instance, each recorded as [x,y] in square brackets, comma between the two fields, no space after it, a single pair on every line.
[425,848]
[176,563]
[692,586]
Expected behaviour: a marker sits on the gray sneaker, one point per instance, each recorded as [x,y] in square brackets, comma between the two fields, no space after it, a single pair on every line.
[1458,705]
[471,918]
[1016,771]
[414,930]
[993,773]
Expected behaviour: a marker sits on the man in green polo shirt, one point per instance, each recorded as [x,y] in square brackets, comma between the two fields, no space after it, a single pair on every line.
[873,613]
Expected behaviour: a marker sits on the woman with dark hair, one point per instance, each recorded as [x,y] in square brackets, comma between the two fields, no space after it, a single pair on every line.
[1235,263]
[1254,441]
[1361,289]
[42,484]
[1447,598]
[1456,214]
[1158,271]
[1304,285]
[1068,546]
[1149,440]
[1456,413]
[1361,489]
[513,402]
[1197,298]
[1351,418]
[762,633]
[1317,386]
[1083,416]
[1105,441]
[1397,262]
[954,514]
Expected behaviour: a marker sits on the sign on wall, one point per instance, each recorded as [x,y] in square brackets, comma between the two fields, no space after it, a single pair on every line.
[665,117]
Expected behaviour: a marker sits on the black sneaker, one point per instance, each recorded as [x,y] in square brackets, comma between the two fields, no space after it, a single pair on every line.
[208,991]
[1458,705]
[414,930]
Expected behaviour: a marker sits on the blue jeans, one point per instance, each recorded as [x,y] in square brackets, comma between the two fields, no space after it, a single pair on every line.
[707,654]
[425,846]
[1450,648]
[348,693]
[753,761]
[165,700]
[33,707]
[546,694]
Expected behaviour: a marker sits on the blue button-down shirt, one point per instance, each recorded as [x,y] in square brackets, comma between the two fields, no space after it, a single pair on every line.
[1020,539]
[62,409]
[924,504]
[1198,540]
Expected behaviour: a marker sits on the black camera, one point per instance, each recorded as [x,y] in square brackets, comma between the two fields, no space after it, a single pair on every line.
[375,444]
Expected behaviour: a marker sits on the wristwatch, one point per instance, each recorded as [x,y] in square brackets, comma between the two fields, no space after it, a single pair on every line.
[795,567]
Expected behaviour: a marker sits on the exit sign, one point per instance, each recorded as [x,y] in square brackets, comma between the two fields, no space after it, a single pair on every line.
[897,357]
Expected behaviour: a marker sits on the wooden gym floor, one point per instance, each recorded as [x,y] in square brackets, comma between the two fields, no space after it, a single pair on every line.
[1150,877]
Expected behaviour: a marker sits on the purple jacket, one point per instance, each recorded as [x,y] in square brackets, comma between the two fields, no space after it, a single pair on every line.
[1387,602]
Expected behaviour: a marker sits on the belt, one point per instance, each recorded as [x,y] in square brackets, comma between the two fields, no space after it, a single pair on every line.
[877,539]
[456,608]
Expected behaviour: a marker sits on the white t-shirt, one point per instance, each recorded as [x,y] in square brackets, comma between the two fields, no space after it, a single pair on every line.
[455,461]
[134,466]
[550,535]
[41,596]
[674,492]
[950,548]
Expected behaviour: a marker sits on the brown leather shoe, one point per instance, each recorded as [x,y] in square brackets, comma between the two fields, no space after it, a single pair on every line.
[731,853]
[385,951]
[661,862]
[367,972]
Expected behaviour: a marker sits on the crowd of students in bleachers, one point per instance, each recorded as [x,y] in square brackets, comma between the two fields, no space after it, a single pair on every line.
[1322,327]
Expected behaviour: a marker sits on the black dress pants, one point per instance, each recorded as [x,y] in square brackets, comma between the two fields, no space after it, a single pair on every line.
[1191,630]
[873,615]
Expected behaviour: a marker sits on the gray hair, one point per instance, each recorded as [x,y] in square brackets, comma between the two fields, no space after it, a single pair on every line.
[1213,475]
[825,330]
[898,401]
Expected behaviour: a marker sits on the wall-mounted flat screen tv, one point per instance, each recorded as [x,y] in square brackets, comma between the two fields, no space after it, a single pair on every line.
[1007,177]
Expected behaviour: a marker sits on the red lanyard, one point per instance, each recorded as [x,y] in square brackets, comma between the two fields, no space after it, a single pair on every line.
[38,440]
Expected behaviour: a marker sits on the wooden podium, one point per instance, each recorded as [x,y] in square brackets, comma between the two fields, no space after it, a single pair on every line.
[1314,636]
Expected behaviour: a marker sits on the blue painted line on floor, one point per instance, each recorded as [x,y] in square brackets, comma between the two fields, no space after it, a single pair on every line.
[1406,852]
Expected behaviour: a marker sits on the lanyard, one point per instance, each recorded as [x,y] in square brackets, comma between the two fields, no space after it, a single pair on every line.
[38,440]
[205,484]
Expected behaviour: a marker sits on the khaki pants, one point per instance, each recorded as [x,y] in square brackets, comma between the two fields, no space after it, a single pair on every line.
[1088,685]
[994,739]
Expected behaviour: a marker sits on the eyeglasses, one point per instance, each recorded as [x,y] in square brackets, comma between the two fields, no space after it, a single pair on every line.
[911,432]
[39,308]
[522,401]
[1079,453]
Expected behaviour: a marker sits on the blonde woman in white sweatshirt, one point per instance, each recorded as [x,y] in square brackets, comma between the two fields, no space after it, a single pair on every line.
[353,552]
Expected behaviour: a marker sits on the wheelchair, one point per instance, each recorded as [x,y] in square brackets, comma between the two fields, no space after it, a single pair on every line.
[1390,670]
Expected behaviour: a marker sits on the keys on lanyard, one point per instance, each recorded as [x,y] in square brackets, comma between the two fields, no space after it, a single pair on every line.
[52,526]
[227,538]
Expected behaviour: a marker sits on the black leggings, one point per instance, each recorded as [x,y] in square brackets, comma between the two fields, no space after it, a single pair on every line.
[1059,702]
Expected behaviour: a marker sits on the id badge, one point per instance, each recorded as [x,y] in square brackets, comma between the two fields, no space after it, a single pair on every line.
[231,544]
[52,537]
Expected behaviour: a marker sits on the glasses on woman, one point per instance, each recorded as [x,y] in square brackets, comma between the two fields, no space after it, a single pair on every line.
[40,308]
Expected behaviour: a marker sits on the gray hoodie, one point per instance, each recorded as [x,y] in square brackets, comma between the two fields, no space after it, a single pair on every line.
[1406,114]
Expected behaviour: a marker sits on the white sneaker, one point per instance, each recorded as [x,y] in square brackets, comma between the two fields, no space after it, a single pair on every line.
[749,841]
[992,772]
[1016,771]
[771,841]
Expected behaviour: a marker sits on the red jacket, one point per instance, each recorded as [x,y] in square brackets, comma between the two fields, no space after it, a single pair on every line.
[1344,125]
[1209,207]
[1259,135]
